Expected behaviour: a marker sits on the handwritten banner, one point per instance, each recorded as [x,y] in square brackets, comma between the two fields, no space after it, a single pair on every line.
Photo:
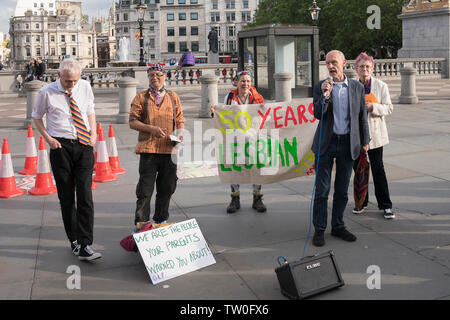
[171,251]
[265,143]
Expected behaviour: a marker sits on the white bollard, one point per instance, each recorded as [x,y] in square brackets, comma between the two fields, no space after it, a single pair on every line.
[32,88]
[408,92]
[210,94]
[283,91]
[127,91]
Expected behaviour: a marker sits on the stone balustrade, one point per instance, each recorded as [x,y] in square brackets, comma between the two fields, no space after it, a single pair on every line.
[427,68]
[104,79]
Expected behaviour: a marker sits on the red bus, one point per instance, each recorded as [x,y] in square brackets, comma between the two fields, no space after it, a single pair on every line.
[222,60]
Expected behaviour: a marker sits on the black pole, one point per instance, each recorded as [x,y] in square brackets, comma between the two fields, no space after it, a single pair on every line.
[141,45]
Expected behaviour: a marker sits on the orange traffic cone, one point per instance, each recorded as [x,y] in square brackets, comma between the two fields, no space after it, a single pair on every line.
[44,182]
[8,188]
[103,172]
[112,152]
[31,158]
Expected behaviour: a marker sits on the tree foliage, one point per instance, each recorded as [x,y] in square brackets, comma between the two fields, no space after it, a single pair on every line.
[342,24]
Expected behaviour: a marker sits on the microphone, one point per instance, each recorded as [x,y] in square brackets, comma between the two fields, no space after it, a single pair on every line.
[329,78]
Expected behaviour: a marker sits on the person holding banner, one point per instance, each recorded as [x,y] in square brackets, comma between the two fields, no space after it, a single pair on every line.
[343,130]
[155,113]
[245,93]
[378,105]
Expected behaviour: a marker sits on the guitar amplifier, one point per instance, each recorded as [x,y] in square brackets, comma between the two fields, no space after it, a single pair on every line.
[309,276]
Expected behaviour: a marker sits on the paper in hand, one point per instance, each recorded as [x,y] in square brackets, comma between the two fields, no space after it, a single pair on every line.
[174,139]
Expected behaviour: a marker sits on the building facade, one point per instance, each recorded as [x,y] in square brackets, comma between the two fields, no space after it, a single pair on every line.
[68,33]
[174,26]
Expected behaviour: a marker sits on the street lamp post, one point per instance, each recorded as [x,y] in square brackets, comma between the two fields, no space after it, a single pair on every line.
[140,8]
[314,10]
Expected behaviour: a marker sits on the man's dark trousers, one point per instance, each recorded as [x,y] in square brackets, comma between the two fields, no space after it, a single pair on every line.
[72,166]
[160,168]
[338,149]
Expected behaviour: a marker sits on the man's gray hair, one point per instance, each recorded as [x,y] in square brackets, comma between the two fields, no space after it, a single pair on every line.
[70,65]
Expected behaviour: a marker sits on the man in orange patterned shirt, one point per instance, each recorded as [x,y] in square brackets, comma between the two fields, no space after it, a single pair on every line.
[155,113]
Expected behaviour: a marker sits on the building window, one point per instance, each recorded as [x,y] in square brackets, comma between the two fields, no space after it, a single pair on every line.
[215,6]
[182,31]
[215,16]
[52,38]
[27,38]
[231,31]
[181,1]
[89,39]
[125,17]
[194,1]
[245,4]
[37,25]
[28,52]
[27,26]
[182,16]
[194,15]
[170,31]
[74,51]
[183,46]
[73,38]
[52,51]
[38,52]
[125,29]
[246,16]
[38,38]
[194,46]
[232,45]
[194,31]
[169,2]
[230,4]
[63,51]
[152,43]
[171,47]
[231,16]
[63,38]
[170,17]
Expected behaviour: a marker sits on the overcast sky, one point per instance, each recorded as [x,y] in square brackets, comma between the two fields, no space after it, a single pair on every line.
[90,7]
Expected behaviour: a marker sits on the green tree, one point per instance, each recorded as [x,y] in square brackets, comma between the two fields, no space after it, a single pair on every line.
[342,24]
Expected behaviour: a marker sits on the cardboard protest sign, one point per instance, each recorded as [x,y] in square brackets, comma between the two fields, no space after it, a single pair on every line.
[268,143]
[171,251]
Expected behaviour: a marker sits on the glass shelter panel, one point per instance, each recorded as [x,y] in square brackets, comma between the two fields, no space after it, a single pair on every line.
[303,70]
[285,55]
[249,53]
[262,61]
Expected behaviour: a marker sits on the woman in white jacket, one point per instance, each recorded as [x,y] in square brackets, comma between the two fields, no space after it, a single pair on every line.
[379,105]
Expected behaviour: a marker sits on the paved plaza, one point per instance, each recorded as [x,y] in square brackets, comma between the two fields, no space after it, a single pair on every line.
[412,251]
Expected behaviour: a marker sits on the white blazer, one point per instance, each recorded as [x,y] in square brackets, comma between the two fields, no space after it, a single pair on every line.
[377,124]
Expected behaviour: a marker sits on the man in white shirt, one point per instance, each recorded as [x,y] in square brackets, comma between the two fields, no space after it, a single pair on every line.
[70,131]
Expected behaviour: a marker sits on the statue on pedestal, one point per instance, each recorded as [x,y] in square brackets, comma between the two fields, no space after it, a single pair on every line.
[213,41]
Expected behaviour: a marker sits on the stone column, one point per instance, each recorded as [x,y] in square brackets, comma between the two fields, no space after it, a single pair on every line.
[127,91]
[31,88]
[283,91]
[210,94]
[408,92]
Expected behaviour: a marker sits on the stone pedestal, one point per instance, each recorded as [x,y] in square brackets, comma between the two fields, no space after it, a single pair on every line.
[213,58]
[31,88]
[210,94]
[408,91]
[426,34]
[283,90]
[127,91]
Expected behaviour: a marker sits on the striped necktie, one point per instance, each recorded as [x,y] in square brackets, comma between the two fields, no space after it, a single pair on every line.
[83,134]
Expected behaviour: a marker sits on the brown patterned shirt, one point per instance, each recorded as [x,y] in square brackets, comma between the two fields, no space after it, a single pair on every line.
[144,109]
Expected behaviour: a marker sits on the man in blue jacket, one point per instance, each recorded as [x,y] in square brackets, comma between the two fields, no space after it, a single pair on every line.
[345,132]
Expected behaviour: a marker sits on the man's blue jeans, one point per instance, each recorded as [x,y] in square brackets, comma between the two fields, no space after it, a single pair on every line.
[339,150]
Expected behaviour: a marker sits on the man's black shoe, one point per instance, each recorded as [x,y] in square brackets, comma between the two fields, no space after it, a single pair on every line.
[343,234]
[319,238]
